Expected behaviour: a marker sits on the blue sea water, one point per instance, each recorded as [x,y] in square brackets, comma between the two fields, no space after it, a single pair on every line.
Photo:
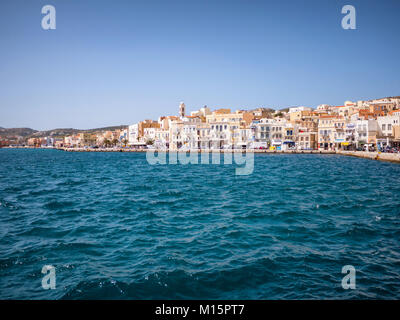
[116,227]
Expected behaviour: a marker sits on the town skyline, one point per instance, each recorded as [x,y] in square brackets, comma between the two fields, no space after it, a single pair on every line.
[189,110]
[359,125]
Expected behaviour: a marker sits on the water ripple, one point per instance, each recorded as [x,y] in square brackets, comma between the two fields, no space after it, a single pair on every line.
[117,228]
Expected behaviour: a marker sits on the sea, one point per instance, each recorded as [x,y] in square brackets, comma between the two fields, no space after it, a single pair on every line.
[110,225]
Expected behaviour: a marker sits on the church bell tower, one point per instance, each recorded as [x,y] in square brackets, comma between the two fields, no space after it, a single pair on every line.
[182,110]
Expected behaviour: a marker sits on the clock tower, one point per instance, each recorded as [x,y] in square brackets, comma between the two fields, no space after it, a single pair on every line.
[182,110]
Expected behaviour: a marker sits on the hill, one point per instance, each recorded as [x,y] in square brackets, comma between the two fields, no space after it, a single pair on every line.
[60,132]
[20,132]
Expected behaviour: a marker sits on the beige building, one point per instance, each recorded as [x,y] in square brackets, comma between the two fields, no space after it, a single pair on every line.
[306,140]
[326,132]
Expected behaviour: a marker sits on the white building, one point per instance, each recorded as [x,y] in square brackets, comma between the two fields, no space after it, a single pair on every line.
[298,109]
[385,133]
[133,133]
[366,131]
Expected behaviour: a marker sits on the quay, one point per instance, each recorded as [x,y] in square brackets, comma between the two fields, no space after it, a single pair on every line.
[200,151]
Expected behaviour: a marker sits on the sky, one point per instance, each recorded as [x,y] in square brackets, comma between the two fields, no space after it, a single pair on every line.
[118,62]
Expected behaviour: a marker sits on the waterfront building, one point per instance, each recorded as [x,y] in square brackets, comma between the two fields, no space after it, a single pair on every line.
[366,132]
[204,136]
[242,137]
[146,124]
[262,131]
[138,132]
[385,134]
[33,142]
[350,134]
[340,132]
[59,142]
[277,133]
[220,133]
[326,132]
[149,134]
[123,136]
[88,139]
[290,131]
[306,140]
[72,141]
[133,134]
[161,138]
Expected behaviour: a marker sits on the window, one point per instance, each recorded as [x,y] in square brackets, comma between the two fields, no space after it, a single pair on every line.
[389,127]
[384,127]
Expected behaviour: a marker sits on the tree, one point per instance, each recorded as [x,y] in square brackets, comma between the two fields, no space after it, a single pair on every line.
[114,142]
[125,142]
[149,142]
[106,142]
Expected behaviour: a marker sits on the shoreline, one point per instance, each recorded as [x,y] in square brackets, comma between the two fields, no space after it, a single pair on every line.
[389,157]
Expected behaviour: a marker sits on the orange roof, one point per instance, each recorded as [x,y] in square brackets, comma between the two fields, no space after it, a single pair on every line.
[394,111]
[329,116]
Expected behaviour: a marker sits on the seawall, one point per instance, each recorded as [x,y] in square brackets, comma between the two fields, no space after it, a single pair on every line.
[199,151]
[392,157]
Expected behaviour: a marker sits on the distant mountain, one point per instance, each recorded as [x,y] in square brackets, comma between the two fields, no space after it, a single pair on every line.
[20,132]
[61,132]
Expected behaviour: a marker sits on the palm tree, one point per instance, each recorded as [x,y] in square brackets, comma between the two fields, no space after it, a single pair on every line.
[114,142]
[106,142]
[125,142]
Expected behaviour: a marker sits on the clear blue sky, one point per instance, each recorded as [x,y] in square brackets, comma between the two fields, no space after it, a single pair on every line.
[118,62]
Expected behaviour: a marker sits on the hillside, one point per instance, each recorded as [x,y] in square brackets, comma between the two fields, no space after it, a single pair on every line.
[61,132]
[21,132]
